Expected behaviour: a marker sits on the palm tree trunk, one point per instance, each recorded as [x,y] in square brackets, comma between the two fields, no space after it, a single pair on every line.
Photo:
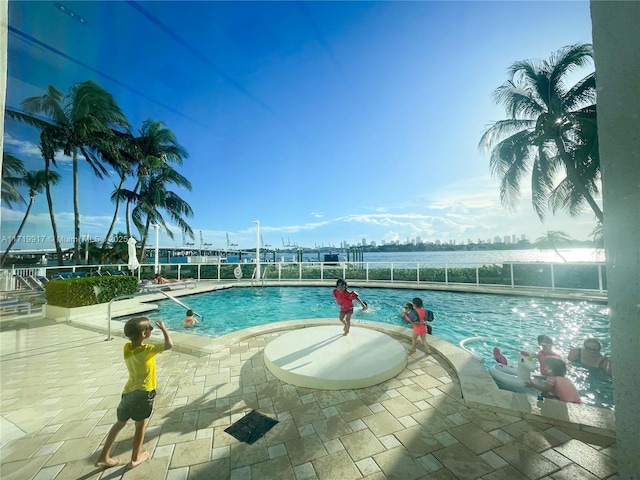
[144,234]
[15,237]
[575,179]
[113,221]
[54,225]
[129,209]
[76,211]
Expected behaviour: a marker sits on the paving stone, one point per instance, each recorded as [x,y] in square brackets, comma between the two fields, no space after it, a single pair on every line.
[306,414]
[588,458]
[243,454]
[398,464]
[278,468]
[573,472]
[382,423]
[305,449]
[217,469]
[353,410]
[433,421]
[506,473]
[191,453]
[399,406]
[362,444]
[474,438]
[336,466]
[152,468]
[331,428]
[462,462]
[526,460]
[417,441]
[21,469]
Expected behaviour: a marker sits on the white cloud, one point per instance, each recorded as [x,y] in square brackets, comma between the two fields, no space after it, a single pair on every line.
[21,148]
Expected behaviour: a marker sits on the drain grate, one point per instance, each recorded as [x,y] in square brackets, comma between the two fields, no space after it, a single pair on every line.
[251,427]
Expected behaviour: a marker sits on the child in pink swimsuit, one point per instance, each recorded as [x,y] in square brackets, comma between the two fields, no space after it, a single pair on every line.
[415,315]
[345,299]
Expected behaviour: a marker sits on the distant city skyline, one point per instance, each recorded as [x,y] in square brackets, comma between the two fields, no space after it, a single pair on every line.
[326,121]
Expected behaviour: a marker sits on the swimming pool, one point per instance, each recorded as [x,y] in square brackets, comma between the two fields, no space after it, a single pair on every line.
[512,323]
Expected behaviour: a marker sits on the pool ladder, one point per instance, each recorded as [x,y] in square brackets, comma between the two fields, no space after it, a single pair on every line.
[264,275]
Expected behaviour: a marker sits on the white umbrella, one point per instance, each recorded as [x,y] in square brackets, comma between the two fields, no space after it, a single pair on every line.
[133,259]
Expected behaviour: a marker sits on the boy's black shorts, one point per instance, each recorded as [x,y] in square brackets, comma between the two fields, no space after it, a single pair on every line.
[136,405]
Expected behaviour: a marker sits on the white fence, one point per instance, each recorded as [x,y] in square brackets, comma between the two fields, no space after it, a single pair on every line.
[575,276]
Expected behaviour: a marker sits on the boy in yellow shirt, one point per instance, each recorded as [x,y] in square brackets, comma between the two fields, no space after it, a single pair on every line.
[140,390]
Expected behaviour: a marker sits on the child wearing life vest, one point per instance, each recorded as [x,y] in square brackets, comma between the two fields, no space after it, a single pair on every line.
[345,299]
[420,327]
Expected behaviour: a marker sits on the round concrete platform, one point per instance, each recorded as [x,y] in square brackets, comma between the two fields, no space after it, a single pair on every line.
[322,358]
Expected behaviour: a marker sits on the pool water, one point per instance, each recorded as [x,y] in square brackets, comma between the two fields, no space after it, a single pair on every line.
[509,322]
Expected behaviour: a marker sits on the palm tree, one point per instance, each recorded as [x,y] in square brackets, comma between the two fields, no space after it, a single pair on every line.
[118,251]
[551,131]
[154,197]
[156,145]
[597,235]
[124,168]
[551,239]
[12,171]
[82,122]
[35,181]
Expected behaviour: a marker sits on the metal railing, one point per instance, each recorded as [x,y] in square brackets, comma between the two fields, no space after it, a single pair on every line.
[588,276]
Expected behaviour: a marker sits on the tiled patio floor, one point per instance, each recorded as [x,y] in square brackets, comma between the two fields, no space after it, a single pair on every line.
[61,384]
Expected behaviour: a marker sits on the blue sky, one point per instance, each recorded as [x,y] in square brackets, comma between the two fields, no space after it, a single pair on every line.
[328,122]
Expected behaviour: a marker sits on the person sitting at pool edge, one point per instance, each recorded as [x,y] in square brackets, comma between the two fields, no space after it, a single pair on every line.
[189,320]
[546,350]
[589,356]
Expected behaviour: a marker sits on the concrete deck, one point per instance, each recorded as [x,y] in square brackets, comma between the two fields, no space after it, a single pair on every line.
[441,418]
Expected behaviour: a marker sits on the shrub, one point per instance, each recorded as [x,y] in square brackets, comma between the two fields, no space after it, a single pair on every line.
[80,292]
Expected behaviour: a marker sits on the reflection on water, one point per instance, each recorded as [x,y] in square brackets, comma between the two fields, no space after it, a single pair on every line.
[512,323]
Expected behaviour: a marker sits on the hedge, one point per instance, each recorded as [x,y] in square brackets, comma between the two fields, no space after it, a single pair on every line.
[80,292]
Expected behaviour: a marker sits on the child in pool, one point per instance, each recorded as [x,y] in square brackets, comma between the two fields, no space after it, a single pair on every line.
[345,299]
[557,384]
[546,350]
[189,320]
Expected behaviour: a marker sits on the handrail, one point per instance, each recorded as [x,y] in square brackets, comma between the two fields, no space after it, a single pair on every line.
[181,304]
[126,297]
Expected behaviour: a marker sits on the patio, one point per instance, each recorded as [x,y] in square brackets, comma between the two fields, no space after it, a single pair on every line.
[61,383]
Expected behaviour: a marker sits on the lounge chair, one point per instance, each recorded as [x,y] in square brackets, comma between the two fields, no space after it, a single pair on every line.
[8,307]
[35,283]
[153,287]
[26,284]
